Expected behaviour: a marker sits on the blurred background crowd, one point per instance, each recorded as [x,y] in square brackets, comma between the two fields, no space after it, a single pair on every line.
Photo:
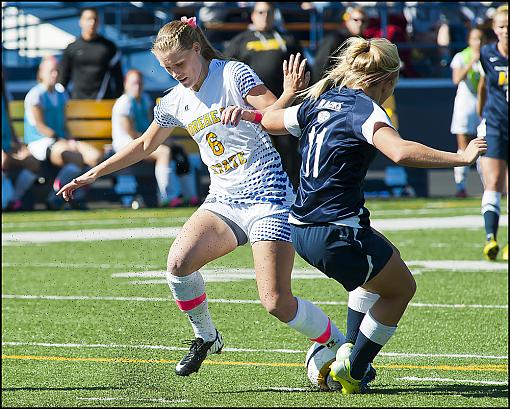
[54,53]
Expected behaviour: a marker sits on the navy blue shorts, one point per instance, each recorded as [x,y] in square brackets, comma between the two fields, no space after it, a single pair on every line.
[497,140]
[349,256]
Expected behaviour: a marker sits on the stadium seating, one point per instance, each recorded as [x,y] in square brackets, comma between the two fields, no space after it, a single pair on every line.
[90,121]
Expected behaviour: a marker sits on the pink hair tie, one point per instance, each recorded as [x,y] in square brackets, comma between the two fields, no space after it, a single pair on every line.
[192,21]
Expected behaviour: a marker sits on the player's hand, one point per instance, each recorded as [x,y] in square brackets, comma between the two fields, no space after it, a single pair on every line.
[232,115]
[294,77]
[67,190]
[476,147]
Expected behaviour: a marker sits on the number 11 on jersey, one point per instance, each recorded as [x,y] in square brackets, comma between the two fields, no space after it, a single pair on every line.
[313,137]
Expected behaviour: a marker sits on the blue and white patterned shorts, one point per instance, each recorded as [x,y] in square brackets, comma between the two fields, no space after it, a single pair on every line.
[259,221]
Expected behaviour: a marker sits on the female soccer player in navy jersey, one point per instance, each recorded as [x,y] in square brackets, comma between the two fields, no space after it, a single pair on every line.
[249,196]
[493,108]
[341,125]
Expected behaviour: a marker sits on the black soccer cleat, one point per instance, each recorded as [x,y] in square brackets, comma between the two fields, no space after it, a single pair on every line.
[198,351]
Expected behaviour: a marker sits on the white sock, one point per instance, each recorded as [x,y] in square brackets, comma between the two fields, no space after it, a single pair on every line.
[162,173]
[24,181]
[168,182]
[375,331]
[491,201]
[189,295]
[312,322]
[361,300]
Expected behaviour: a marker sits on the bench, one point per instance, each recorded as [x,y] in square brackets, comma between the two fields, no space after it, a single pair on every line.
[90,121]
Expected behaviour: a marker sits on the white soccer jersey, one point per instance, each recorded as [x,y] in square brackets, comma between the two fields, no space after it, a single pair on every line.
[243,164]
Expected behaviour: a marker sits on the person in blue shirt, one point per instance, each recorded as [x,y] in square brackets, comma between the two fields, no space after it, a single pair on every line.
[341,126]
[14,155]
[46,133]
[493,108]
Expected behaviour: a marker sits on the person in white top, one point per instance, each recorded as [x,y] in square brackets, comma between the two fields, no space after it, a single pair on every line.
[249,195]
[47,136]
[466,67]
[131,116]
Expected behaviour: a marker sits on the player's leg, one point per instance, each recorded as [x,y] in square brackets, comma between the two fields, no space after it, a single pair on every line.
[460,172]
[65,156]
[360,301]
[395,286]
[494,176]
[90,154]
[168,182]
[273,262]
[273,256]
[23,159]
[356,257]
[203,238]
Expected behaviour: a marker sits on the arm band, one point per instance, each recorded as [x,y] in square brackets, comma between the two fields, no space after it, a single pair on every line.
[258,117]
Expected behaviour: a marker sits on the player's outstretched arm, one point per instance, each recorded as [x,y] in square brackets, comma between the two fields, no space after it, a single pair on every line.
[137,150]
[417,155]
[271,121]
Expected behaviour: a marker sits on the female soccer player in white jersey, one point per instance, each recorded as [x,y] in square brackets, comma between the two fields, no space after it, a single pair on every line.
[341,125]
[249,196]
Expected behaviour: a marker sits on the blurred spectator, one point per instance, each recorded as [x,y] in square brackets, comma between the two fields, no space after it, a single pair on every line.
[395,31]
[466,74]
[209,11]
[354,24]
[92,63]
[47,136]
[131,116]
[317,5]
[14,155]
[264,49]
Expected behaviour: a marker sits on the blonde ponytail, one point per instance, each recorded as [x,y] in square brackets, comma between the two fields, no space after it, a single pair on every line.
[360,64]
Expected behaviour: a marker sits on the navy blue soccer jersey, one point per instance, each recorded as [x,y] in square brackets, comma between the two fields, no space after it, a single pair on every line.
[495,70]
[335,134]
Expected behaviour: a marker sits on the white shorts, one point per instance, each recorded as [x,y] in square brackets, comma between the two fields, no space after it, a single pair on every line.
[258,222]
[465,119]
[39,148]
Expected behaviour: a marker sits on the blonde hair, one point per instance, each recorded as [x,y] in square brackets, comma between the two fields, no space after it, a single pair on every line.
[503,9]
[360,64]
[178,35]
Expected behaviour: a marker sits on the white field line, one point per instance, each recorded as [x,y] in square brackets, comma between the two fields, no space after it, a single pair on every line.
[93,235]
[413,378]
[173,220]
[96,222]
[438,211]
[251,350]
[419,265]
[76,265]
[171,232]
[160,400]
[222,301]
[236,274]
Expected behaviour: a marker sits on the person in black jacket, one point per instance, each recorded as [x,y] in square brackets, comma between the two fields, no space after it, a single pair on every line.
[264,49]
[355,22]
[92,63]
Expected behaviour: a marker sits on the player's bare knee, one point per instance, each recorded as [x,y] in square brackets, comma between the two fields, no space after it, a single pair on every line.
[177,267]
